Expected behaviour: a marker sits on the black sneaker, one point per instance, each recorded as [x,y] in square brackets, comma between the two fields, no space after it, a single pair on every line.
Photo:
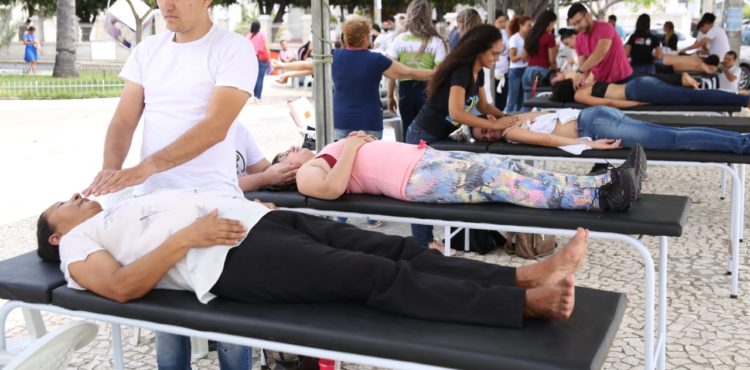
[637,161]
[620,192]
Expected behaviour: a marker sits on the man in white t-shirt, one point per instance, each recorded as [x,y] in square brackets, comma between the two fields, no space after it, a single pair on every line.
[220,245]
[729,73]
[188,85]
[711,39]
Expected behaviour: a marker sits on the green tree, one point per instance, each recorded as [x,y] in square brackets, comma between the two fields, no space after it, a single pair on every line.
[65,59]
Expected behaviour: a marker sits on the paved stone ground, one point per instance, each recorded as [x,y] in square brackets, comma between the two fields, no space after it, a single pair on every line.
[50,149]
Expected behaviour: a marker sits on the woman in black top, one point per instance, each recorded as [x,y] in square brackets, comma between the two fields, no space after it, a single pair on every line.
[643,47]
[453,92]
[670,38]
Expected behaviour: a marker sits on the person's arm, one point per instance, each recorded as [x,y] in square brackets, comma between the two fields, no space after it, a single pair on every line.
[103,275]
[658,53]
[120,132]
[552,54]
[264,174]
[223,107]
[583,96]
[524,136]
[515,55]
[400,71]
[456,111]
[391,95]
[730,76]
[628,49]
[696,45]
[315,180]
[601,50]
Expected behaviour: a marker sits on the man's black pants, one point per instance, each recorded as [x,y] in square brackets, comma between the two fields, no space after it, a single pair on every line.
[293,257]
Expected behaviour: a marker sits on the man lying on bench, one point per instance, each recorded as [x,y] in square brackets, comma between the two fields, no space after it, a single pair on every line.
[362,164]
[567,126]
[641,91]
[175,239]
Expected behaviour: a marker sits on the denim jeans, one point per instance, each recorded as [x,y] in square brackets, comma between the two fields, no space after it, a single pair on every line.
[515,90]
[339,134]
[644,70]
[651,90]
[422,233]
[610,123]
[411,98]
[527,80]
[262,69]
[173,353]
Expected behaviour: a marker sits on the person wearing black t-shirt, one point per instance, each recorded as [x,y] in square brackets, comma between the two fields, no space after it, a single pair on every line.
[670,38]
[643,47]
[453,93]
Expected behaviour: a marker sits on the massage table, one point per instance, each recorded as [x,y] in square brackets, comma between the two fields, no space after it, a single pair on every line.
[545,103]
[657,215]
[340,331]
[729,163]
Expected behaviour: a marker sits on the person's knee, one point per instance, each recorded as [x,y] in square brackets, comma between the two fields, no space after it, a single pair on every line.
[172,351]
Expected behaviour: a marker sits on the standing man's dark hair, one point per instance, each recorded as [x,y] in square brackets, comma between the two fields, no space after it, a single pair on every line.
[707,18]
[576,8]
[499,13]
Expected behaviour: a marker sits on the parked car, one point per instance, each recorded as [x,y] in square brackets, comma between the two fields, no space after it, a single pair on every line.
[744,83]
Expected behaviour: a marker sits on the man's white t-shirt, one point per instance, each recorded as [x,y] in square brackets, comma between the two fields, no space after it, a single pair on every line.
[718,42]
[178,81]
[405,48]
[516,41]
[134,227]
[731,86]
[247,152]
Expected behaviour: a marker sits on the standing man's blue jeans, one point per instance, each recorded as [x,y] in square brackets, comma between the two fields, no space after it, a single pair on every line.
[422,233]
[262,69]
[610,123]
[339,134]
[173,353]
[527,80]
[515,90]
[654,91]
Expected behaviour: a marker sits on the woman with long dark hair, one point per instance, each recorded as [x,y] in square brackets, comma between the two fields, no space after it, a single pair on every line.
[643,48]
[419,47]
[518,28]
[453,92]
[261,51]
[670,38]
[541,51]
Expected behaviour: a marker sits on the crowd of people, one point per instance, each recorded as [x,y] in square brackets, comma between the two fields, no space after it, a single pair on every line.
[184,223]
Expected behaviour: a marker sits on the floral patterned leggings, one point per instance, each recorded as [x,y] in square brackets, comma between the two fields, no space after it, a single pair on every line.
[463,177]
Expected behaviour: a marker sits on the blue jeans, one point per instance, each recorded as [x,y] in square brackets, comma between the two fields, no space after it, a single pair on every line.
[422,233]
[527,80]
[610,123]
[262,68]
[411,98]
[339,134]
[173,353]
[645,70]
[651,90]
[515,90]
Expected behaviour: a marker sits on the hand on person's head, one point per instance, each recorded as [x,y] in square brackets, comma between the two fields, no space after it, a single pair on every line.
[578,80]
[211,230]
[281,173]
[605,144]
[503,122]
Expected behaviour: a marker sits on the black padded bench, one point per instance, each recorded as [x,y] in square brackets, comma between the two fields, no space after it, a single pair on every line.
[337,330]
[545,103]
[720,160]
[657,215]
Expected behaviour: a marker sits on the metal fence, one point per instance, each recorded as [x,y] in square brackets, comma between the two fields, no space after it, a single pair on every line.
[71,89]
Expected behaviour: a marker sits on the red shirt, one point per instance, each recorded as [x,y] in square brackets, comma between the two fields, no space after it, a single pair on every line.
[614,67]
[541,58]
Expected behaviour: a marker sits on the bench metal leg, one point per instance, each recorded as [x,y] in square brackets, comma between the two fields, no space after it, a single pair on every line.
[743,178]
[117,346]
[662,349]
[34,323]
[723,185]
[198,347]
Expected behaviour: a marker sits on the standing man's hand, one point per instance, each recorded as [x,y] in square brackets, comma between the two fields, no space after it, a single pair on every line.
[110,181]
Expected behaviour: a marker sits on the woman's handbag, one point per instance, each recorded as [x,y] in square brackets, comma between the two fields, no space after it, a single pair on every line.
[530,246]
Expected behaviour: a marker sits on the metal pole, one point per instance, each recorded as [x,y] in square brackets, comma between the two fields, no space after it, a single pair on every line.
[322,85]
[377,9]
[733,24]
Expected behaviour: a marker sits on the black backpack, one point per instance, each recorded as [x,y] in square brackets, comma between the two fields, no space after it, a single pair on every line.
[480,241]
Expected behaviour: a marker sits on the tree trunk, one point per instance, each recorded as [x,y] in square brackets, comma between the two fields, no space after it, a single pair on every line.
[65,60]
[280,13]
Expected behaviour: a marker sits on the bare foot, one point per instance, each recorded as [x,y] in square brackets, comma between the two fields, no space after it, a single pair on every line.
[559,265]
[436,245]
[551,301]
[275,64]
[282,80]
[689,81]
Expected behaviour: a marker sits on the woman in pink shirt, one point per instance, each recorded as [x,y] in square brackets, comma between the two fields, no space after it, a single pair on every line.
[541,52]
[417,173]
[261,51]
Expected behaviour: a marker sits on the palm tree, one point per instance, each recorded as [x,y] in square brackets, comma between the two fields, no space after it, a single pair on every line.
[65,59]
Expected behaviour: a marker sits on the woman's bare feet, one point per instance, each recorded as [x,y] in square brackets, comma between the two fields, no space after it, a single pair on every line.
[689,81]
[282,79]
[551,301]
[557,266]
